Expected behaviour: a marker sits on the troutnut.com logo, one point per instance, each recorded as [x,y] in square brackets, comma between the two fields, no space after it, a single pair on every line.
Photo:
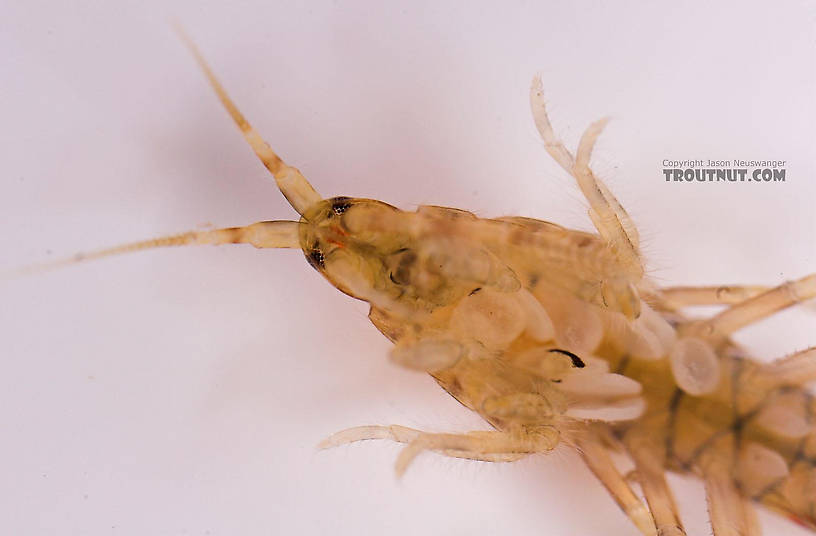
[724,170]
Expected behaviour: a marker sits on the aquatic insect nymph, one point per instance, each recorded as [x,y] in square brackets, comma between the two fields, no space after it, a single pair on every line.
[557,336]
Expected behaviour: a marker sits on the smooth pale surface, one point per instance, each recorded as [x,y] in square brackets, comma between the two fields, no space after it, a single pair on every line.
[184,392]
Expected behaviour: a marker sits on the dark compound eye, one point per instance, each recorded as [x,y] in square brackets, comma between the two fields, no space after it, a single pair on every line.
[315,258]
[340,205]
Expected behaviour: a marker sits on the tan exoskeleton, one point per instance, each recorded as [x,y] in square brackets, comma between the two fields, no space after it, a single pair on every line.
[557,336]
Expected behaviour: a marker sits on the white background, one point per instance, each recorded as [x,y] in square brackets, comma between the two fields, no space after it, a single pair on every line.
[183,391]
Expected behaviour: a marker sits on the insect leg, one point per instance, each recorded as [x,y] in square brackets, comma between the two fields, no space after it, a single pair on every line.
[264,234]
[795,369]
[609,217]
[730,513]
[599,462]
[481,445]
[606,213]
[476,445]
[753,528]
[652,480]
[760,306]
[293,185]
[714,295]
[394,432]
[403,434]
